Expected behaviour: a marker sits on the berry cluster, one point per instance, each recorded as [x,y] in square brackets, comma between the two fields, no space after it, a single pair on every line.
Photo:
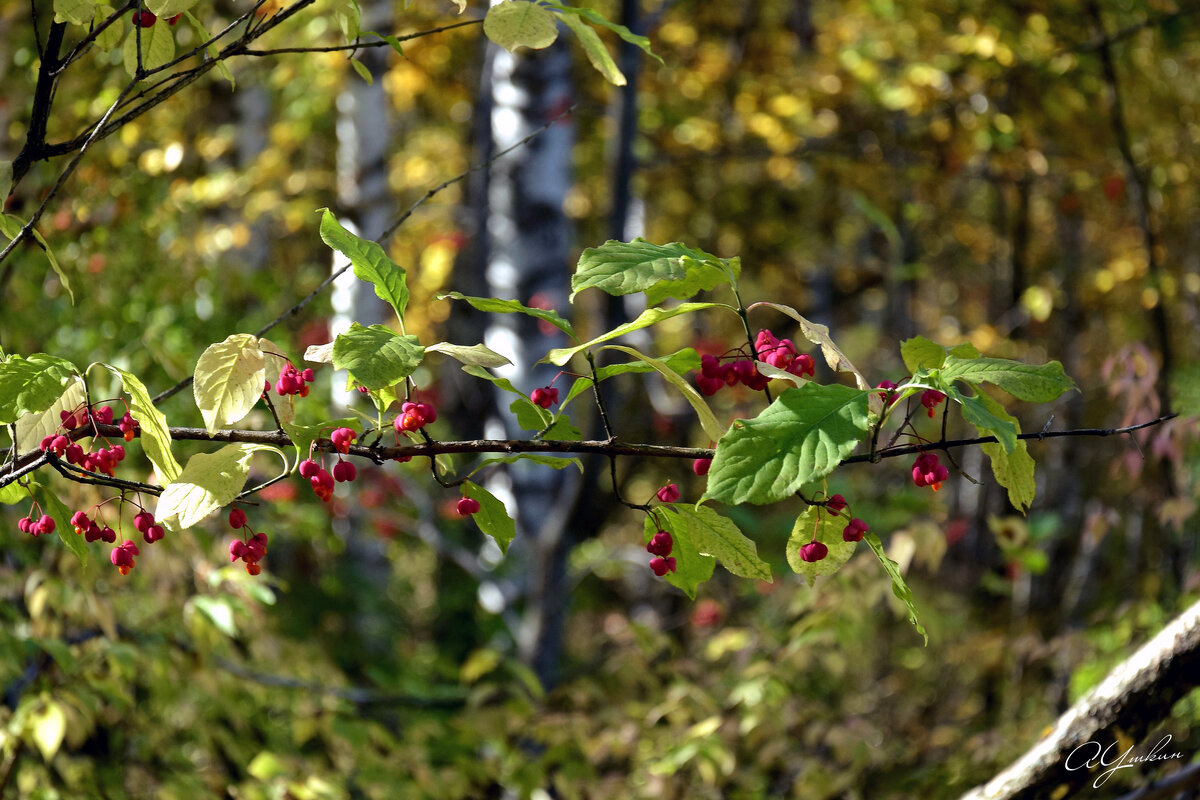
[888,391]
[319,477]
[931,398]
[36,527]
[414,416]
[150,530]
[779,353]
[105,459]
[544,397]
[928,471]
[293,381]
[660,546]
[90,529]
[467,506]
[249,551]
[853,532]
[122,556]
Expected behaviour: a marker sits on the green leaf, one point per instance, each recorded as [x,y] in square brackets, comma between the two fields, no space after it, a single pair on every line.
[77,12]
[31,385]
[213,51]
[12,493]
[48,727]
[348,16]
[11,225]
[519,23]
[376,357]
[110,37]
[62,521]
[700,277]
[799,438]
[899,587]
[650,316]
[828,530]
[169,8]
[492,517]
[626,267]
[692,567]
[476,355]
[554,462]
[362,71]
[392,41]
[681,361]
[156,433]
[370,261]
[708,422]
[495,305]
[717,536]
[32,428]
[229,380]
[218,611]
[988,417]
[1036,383]
[1015,472]
[596,19]
[562,431]
[158,48]
[209,481]
[597,53]
[483,374]
[529,416]
[921,353]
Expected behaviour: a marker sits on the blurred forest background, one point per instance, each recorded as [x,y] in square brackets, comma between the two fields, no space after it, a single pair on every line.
[1020,175]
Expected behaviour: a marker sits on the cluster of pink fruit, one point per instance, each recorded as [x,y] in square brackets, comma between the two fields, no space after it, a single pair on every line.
[292,381]
[779,353]
[853,532]
[250,551]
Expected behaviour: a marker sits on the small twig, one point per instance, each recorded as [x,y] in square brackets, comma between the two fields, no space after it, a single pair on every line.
[359,45]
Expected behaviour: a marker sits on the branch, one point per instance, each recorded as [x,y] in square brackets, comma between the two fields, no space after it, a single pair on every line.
[360,45]
[608,447]
[1135,695]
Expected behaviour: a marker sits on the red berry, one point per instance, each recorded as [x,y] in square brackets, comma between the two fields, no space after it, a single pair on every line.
[144,19]
[669,493]
[237,518]
[341,438]
[468,506]
[309,468]
[659,566]
[836,503]
[854,531]
[344,471]
[660,544]
[544,397]
[701,466]
[237,548]
[308,375]
[142,521]
[253,569]
[156,533]
[813,551]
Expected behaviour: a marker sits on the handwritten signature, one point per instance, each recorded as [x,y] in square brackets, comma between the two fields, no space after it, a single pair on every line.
[1090,755]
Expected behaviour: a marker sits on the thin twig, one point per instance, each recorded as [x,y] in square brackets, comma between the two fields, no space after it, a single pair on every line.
[359,45]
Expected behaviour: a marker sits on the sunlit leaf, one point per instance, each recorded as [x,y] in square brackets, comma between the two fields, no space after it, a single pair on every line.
[155,432]
[495,305]
[229,380]
[476,355]
[650,316]
[817,524]
[376,357]
[692,567]
[899,587]
[704,414]
[718,536]
[513,24]
[208,482]
[492,517]
[370,262]
[30,385]
[32,428]
[799,438]
[1036,383]
[158,48]
[596,52]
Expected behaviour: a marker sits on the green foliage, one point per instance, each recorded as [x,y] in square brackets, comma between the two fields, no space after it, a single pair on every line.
[492,517]
[704,415]
[514,24]
[668,270]
[717,536]
[62,520]
[498,306]
[376,357]
[229,379]
[818,525]
[692,567]
[155,432]
[369,260]
[209,481]
[650,316]
[899,587]
[797,439]
[1036,383]
[30,385]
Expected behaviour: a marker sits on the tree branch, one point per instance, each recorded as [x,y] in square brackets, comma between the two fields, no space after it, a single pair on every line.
[1135,695]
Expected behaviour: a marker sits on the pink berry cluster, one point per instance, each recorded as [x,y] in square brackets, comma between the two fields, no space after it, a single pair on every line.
[90,529]
[321,480]
[249,551]
[467,506]
[779,353]
[929,471]
[888,391]
[105,459]
[36,527]
[931,398]
[660,546]
[293,381]
[150,530]
[414,416]
[122,556]
[545,397]
[853,532]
